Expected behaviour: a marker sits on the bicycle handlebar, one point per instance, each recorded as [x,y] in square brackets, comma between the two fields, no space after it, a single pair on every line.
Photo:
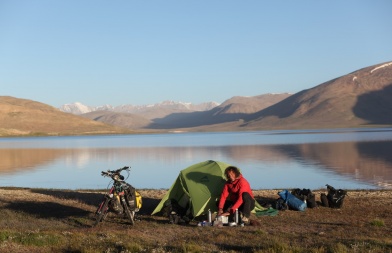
[113,173]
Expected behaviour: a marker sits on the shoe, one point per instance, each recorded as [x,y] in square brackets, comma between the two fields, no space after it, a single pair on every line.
[245,220]
[232,224]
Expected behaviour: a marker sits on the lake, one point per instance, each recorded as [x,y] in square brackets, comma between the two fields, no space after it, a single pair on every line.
[343,158]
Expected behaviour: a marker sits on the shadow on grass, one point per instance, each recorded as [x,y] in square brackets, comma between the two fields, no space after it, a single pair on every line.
[46,210]
[92,198]
[89,198]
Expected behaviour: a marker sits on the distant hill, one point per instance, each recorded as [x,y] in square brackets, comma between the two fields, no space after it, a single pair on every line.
[27,117]
[360,98]
[246,105]
[126,120]
[229,113]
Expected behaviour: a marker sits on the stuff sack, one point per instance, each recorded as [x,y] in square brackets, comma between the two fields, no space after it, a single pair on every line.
[292,201]
[306,196]
[335,197]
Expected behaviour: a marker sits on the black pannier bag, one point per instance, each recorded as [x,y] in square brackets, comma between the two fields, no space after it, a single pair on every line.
[175,212]
[324,200]
[335,197]
[130,196]
[305,195]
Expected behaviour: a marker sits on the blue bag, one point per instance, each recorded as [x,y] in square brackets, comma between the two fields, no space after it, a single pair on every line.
[292,201]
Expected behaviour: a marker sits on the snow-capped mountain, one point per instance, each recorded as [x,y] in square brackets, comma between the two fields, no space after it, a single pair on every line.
[79,108]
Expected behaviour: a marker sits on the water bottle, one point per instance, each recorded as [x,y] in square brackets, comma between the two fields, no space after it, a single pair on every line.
[236,216]
[209,216]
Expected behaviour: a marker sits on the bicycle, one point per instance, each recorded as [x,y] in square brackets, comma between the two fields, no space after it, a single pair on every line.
[122,198]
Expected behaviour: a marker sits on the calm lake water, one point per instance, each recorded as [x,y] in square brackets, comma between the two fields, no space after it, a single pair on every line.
[343,158]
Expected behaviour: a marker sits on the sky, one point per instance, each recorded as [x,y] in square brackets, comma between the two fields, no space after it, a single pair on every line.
[145,52]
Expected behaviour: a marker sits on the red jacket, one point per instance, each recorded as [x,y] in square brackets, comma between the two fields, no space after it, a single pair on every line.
[234,191]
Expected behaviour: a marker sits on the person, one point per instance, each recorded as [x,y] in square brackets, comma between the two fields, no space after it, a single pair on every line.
[236,194]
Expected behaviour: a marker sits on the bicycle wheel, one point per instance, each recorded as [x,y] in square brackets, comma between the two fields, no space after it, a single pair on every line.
[102,211]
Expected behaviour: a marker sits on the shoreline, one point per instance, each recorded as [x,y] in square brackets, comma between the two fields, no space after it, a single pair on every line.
[158,194]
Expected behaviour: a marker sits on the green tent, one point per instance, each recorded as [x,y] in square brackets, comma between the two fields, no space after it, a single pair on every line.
[198,187]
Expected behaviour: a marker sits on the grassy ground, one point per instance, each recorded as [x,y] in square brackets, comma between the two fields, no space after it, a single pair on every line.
[45,220]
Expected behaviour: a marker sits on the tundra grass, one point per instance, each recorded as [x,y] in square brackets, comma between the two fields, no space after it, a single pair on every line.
[39,220]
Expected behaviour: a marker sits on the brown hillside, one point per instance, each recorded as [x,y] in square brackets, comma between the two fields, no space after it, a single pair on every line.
[356,99]
[27,117]
[126,120]
[239,104]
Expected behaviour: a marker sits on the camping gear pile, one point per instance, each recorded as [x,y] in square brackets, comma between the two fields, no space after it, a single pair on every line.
[299,199]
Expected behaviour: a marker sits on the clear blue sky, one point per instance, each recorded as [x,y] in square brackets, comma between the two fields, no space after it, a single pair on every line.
[142,52]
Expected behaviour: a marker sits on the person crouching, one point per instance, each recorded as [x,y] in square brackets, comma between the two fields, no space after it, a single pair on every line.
[236,194]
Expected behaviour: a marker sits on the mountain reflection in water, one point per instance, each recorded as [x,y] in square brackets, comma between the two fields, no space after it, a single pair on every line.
[366,164]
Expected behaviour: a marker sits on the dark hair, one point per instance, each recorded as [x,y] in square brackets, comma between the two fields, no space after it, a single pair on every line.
[234,169]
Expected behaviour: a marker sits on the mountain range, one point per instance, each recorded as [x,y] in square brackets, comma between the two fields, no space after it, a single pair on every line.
[171,115]
[362,98]
[149,110]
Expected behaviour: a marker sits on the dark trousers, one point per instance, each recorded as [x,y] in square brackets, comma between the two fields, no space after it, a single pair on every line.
[247,206]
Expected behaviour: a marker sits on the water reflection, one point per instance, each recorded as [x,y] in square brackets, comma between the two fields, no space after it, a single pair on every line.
[362,164]
[19,160]
[364,161]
